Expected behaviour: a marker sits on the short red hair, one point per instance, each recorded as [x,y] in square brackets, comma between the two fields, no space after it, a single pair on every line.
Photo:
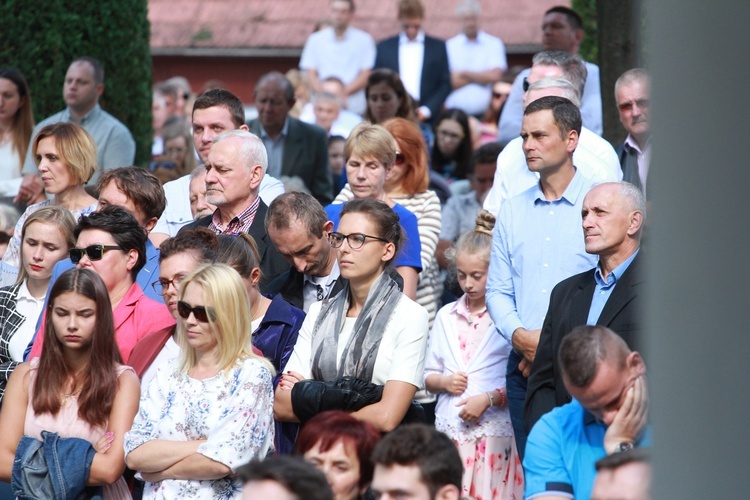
[412,146]
[330,427]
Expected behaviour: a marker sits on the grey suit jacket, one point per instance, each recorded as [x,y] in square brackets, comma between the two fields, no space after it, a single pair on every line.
[306,156]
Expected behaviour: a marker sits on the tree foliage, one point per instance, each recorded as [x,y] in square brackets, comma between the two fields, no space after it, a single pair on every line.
[42,37]
[589,49]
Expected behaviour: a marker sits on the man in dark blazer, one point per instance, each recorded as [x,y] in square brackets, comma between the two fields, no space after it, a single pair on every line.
[299,228]
[295,148]
[235,168]
[609,295]
[427,76]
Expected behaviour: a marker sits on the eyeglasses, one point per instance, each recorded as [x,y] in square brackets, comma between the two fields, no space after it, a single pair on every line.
[641,103]
[93,252]
[201,313]
[526,84]
[450,135]
[162,285]
[355,240]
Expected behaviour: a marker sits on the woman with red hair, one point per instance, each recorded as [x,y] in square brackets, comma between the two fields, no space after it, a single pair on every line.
[340,446]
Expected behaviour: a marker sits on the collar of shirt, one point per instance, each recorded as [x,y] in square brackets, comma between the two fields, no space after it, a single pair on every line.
[615,274]
[326,281]
[25,294]
[466,40]
[284,131]
[403,39]
[571,194]
[239,224]
[461,308]
[630,141]
[91,115]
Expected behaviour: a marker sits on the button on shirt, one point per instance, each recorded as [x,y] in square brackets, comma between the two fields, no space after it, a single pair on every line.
[274,148]
[536,244]
[319,288]
[604,289]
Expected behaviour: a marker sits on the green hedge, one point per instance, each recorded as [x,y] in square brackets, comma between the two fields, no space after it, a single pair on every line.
[42,37]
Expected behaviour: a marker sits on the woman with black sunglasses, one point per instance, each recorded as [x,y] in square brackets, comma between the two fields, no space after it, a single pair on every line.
[362,350]
[210,410]
[113,245]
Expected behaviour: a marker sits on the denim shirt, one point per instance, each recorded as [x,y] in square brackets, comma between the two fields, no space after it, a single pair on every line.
[53,468]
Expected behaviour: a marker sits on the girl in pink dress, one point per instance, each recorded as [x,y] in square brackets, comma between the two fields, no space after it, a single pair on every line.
[78,388]
[465,364]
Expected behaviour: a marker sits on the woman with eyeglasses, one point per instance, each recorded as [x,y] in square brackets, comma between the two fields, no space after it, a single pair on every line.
[46,237]
[370,153]
[451,156]
[210,410]
[178,257]
[65,155]
[113,245]
[78,390]
[363,350]
[275,322]
[406,184]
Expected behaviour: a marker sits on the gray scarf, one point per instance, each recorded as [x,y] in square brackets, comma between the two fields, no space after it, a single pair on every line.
[358,358]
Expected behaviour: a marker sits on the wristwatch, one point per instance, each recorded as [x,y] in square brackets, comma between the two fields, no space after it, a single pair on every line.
[624,446]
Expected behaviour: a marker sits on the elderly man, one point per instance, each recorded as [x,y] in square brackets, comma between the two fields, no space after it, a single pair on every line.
[236,165]
[84,84]
[536,242]
[633,97]
[299,228]
[608,415]
[214,112]
[341,51]
[476,60]
[562,29]
[594,156]
[608,295]
[295,148]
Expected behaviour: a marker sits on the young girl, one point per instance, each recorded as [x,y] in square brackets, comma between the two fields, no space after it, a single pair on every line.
[77,389]
[465,364]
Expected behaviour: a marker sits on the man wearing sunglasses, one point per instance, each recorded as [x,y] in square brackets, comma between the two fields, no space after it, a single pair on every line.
[112,243]
[633,97]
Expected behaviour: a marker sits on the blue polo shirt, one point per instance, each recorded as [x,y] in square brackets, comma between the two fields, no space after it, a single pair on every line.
[562,451]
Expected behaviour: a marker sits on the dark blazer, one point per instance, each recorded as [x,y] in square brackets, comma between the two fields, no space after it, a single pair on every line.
[291,285]
[306,156]
[272,264]
[569,307]
[436,76]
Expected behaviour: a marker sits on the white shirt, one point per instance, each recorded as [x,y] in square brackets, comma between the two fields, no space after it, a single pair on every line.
[170,350]
[343,125]
[644,158]
[178,214]
[311,283]
[484,53]
[30,308]
[10,169]
[402,348]
[344,58]
[594,157]
[410,61]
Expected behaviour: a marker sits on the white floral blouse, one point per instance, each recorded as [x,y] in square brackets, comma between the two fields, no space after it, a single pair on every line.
[233,411]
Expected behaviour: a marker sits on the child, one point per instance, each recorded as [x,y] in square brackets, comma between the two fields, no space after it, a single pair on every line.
[465,364]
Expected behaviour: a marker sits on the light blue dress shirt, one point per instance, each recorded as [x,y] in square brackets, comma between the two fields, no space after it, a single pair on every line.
[536,244]
[604,289]
[274,148]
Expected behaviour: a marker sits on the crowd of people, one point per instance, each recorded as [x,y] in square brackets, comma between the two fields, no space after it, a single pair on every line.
[423,282]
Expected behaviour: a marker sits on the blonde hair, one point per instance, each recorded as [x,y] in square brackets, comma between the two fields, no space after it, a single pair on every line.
[75,146]
[371,141]
[476,242]
[229,317]
[59,217]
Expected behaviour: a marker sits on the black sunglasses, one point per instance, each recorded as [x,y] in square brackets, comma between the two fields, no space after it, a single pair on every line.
[94,252]
[201,313]
[526,84]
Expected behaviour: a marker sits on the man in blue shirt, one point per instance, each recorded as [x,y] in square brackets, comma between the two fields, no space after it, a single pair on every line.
[537,240]
[608,415]
[608,295]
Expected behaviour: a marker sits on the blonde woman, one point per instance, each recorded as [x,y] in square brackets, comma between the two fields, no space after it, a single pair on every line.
[210,410]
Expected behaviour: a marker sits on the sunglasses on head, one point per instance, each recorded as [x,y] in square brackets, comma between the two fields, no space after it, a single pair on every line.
[93,252]
[201,313]
[526,84]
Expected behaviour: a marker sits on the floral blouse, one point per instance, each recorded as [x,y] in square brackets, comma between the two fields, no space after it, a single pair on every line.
[232,410]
